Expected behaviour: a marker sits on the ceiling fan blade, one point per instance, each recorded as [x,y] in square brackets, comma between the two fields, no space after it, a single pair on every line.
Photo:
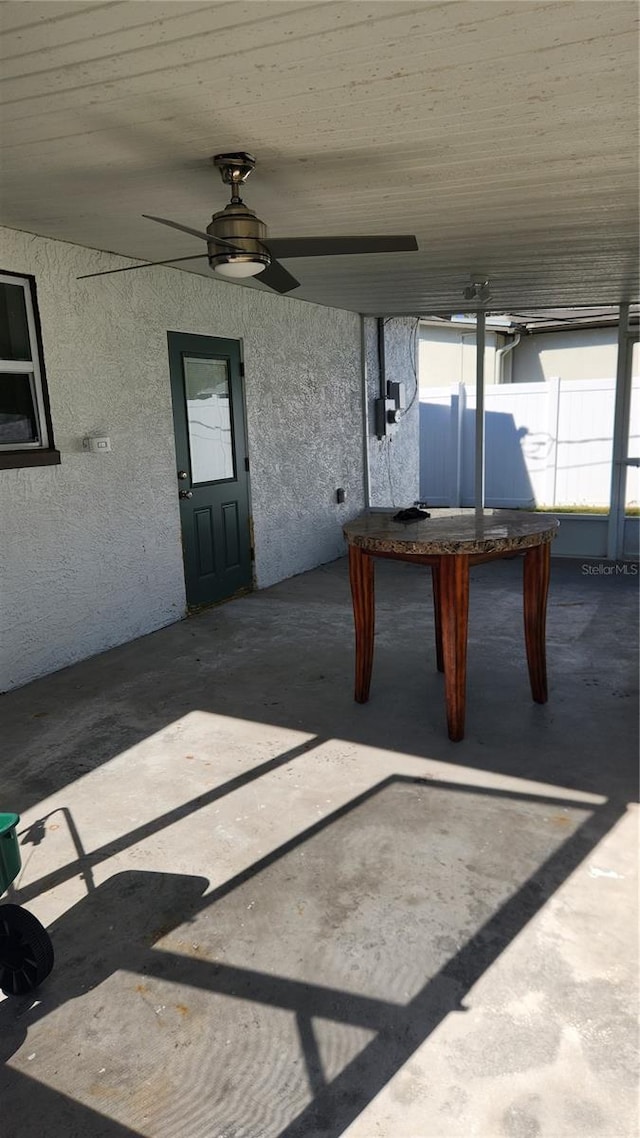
[339,246]
[194,232]
[146,265]
[277,278]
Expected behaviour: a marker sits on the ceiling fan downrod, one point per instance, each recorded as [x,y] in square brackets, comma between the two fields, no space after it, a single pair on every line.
[234,171]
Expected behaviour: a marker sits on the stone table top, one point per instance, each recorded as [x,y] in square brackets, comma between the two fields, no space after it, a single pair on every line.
[451,531]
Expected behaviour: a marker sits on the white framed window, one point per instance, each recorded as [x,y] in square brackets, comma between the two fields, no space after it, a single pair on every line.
[25,422]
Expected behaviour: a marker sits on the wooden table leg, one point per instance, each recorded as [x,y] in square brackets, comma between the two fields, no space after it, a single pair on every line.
[454,613]
[537,564]
[435,581]
[362,595]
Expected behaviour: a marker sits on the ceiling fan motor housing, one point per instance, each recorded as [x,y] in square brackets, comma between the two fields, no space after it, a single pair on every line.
[239,225]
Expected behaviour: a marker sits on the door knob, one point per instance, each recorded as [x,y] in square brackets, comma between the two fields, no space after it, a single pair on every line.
[185,494]
[182,474]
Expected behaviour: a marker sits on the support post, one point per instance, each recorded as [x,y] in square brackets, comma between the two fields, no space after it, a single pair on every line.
[622,412]
[457,441]
[479,466]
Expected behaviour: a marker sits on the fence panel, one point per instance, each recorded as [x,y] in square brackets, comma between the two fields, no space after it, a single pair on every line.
[585,442]
[518,447]
[435,445]
[546,444]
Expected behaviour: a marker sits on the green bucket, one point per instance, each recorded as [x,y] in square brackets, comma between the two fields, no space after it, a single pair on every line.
[9,850]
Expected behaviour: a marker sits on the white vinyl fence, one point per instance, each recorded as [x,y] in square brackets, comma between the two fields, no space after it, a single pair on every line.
[546,444]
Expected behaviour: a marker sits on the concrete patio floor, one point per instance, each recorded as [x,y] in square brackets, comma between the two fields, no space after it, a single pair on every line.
[278,914]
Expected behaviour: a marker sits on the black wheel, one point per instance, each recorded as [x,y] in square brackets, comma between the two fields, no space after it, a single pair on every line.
[26,951]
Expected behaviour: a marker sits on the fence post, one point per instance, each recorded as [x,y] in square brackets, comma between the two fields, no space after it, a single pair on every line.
[458,405]
[553,422]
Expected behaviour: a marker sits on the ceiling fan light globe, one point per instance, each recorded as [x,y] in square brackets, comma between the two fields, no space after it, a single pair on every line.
[235,270]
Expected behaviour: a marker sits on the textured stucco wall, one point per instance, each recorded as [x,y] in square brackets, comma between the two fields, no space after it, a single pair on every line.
[90,552]
[395,460]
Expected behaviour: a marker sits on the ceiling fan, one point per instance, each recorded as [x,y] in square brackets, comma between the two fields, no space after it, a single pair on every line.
[238,246]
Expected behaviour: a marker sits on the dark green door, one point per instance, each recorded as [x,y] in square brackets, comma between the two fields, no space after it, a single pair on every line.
[212,479]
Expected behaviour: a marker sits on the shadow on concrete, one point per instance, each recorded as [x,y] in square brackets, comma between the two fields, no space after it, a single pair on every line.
[125,925]
[44,1110]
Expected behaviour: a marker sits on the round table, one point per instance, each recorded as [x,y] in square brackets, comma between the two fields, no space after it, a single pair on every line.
[450,541]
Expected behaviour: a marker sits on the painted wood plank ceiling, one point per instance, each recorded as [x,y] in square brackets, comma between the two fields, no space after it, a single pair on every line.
[504,135]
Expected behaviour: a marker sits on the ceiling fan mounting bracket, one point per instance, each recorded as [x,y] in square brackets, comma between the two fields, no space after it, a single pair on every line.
[234,168]
[479,289]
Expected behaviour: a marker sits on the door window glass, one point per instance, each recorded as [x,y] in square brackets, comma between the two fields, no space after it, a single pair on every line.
[209,420]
